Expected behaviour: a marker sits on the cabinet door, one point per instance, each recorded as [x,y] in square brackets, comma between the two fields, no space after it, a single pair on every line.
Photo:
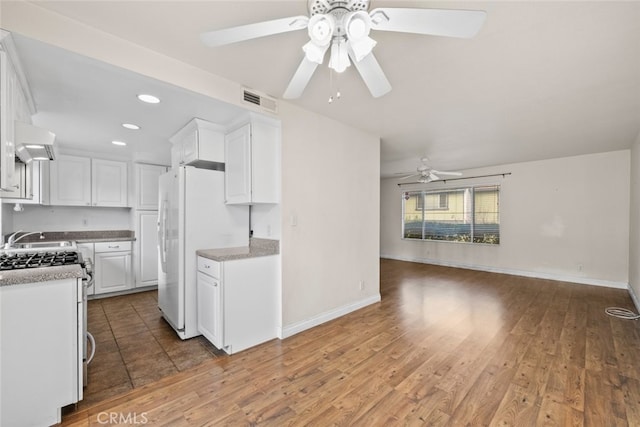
[7,148]
[237,147]
[147,185]
[112,272]
[265,164]
[147,248]
[210,309]
[109,183]
[190,147]
[70,181]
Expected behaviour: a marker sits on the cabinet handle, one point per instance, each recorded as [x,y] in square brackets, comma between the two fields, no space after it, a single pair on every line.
[207,266]
[88,204]
[215,285]
[114,247]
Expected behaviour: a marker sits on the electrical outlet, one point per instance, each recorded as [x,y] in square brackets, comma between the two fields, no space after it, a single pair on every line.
[362,285]
[579,267]
[85,222]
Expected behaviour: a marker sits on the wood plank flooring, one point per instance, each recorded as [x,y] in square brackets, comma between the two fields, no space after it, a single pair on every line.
[445,347]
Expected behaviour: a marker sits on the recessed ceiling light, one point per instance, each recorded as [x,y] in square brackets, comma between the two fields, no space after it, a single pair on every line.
[118,143]
[130,126]
[149,99]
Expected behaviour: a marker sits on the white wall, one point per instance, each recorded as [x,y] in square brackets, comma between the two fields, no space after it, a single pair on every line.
[71,218]
[564,219]
[330,176]
[634,225]
[330,209]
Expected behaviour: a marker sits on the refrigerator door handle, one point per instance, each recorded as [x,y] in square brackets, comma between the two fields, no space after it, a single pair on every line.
[162,235]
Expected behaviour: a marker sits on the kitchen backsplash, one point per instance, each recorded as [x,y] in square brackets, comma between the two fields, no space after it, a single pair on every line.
[67,218]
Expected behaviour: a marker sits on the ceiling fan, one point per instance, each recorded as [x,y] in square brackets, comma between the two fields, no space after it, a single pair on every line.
[345,25]
[427,174]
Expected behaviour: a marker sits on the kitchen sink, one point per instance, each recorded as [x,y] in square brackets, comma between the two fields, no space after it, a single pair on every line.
[51,246]
[40,245]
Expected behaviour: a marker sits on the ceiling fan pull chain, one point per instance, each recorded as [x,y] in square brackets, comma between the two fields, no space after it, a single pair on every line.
[331,87]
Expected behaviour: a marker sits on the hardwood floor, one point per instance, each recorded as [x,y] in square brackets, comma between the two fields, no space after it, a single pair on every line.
[446,347]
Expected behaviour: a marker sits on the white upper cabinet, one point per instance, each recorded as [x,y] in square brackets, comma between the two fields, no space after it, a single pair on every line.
[237,171]
[252,166]
[7,147]
[108,183]
[70,181]
[199,143]
[81,181]
[14,106]
[146,185]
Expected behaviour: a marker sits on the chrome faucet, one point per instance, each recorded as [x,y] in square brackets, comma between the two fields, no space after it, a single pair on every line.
[12,239]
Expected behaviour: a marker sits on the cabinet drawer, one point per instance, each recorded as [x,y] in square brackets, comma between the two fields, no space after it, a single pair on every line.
[209,267]
[113,246]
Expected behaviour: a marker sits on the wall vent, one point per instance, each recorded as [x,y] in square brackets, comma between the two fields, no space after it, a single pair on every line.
[264,102]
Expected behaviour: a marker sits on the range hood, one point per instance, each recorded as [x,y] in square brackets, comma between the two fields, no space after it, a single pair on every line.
[33,143]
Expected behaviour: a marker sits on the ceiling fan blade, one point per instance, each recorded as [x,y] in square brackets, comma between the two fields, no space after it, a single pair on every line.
[435,22]
[448,173]
[433,176]
[253,31]
[408,176]
[300,79]
[372,74]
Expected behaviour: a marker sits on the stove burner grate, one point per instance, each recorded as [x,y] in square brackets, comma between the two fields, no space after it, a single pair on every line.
[26,260]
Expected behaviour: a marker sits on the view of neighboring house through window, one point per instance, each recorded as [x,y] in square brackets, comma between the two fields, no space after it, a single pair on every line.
[468,214]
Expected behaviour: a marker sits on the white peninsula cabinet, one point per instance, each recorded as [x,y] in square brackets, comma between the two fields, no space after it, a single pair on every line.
[237,301]
[252,153]
[41,339]
[82,181]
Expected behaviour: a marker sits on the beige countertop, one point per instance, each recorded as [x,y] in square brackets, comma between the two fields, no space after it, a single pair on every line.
[257,248]
[43,274]
[84,236]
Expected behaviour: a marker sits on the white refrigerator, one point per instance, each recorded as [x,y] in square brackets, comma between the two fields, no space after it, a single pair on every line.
[192,215]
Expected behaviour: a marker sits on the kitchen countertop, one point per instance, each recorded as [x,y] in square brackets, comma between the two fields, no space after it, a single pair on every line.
[257,248]
[85,236]
[32,275]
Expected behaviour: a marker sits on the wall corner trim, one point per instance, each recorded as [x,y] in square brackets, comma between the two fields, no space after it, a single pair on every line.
[321,318]
[634,298]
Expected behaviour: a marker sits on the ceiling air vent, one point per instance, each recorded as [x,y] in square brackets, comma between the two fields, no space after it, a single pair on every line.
[264,102]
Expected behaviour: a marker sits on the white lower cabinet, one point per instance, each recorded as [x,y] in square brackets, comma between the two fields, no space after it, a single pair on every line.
[209,308]
[41,341]
[237,301]
[112,267]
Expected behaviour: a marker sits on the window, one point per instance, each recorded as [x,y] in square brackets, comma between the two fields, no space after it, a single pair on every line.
[432,201]
[469,214]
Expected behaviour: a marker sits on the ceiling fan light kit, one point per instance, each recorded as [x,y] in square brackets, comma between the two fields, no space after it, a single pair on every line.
[345,26]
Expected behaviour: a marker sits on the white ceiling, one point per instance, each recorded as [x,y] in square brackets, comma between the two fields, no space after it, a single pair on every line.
[541,79]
